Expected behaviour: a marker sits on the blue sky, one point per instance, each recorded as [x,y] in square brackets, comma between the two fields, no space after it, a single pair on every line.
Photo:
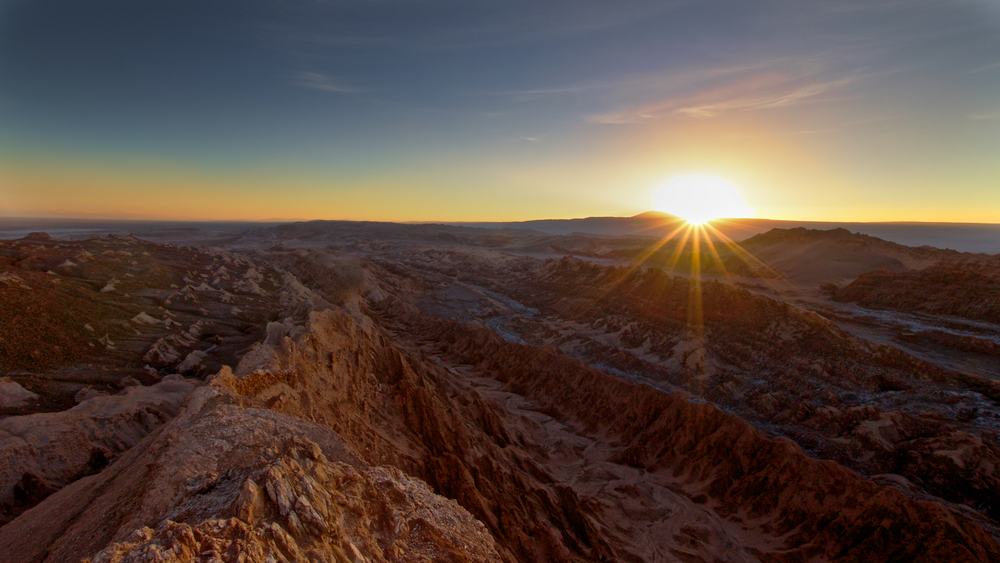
[497,110]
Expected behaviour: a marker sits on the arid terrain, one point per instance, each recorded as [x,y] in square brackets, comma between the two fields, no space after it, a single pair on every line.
[339,391]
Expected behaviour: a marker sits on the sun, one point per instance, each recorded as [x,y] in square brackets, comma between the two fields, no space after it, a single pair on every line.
[699,199]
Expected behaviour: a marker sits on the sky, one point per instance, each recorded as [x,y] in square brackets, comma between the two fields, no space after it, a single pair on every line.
[472,110]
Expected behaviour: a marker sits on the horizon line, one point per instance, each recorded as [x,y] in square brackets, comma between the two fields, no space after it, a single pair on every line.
[469,222]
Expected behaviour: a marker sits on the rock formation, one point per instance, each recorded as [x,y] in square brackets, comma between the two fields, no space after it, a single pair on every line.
[437,400]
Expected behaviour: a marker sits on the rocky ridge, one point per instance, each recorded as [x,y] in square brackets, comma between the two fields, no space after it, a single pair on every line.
[960,288]
[358,408]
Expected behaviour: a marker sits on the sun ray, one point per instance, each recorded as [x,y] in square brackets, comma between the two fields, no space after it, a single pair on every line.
[702,243]
[750,260]
[755,263]
[638,262]
[715,254]
[679,249]
[695,316]
[661,243]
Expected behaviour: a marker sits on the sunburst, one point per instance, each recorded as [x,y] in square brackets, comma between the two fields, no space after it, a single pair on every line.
[700,199]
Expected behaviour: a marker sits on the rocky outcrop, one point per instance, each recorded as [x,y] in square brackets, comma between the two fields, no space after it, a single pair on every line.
[41,453]
[352,419]
[244,484]
[97,312]
[967,288]
[763,495]
[788,370]
[819,509]
[13,395]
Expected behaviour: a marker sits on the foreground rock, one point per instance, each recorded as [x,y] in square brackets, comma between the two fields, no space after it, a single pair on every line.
[13,395]
[41,453]
[244,484]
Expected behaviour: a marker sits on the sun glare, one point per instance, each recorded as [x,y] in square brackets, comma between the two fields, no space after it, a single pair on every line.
[699,199]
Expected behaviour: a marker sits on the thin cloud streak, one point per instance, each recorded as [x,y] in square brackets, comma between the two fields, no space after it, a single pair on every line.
[986,68]
[762,91]
[322,82]
[985,116]
[651,83]
[533,93]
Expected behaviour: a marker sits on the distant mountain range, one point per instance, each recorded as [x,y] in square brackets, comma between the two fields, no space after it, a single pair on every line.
[964,237]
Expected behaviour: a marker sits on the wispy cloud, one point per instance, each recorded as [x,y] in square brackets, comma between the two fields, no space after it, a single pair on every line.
[985,68]
[639,84]
[317,81]
[534,93]
[983,116]
[532,139]
[760,91]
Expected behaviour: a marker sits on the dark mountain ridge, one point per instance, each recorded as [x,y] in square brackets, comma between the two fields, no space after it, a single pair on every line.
[965,237]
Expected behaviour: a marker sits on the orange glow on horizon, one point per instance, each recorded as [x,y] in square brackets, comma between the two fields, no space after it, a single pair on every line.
[124,187]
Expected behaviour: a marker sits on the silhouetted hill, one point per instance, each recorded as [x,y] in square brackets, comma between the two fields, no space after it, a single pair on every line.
[836,255]
[964,237]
